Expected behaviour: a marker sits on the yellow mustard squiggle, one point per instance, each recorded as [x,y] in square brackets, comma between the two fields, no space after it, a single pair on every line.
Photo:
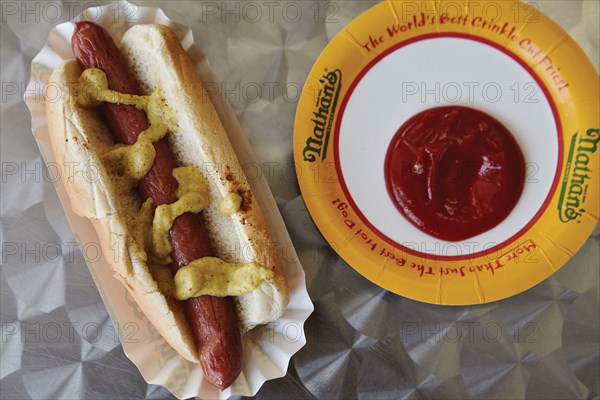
[230,203]
[193,196]
[136,159]
[206,275]
[215,277]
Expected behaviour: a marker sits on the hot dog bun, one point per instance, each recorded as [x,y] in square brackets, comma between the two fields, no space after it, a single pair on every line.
[79,138]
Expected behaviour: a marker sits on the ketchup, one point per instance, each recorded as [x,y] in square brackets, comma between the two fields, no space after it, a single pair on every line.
[454,172]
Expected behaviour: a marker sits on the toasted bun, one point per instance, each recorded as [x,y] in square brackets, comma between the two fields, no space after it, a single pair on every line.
[79,136]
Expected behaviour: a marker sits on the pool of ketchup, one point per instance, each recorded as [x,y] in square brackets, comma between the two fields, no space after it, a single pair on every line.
[454,172]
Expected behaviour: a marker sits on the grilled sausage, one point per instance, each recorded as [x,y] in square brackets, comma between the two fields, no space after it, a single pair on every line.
[213,320]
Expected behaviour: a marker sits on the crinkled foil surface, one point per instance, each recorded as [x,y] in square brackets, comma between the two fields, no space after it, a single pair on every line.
[363,342]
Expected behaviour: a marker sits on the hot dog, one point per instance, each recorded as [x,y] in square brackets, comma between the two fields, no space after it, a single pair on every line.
[212,319]
[205,327]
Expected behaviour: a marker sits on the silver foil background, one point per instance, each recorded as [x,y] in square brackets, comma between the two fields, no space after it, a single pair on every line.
[363,342]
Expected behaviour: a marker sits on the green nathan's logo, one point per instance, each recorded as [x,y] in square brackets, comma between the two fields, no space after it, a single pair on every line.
[577,172]
[325,106]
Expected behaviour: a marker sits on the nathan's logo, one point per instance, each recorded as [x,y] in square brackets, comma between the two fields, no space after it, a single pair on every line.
[327,97]
[574,186]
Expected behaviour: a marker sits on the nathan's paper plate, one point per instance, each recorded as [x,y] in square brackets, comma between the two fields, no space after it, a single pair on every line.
[267,350]
[402,57]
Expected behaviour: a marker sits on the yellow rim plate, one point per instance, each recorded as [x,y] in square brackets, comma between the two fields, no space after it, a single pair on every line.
[351,83]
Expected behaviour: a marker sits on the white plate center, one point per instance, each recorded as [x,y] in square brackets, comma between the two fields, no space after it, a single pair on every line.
[440,72]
